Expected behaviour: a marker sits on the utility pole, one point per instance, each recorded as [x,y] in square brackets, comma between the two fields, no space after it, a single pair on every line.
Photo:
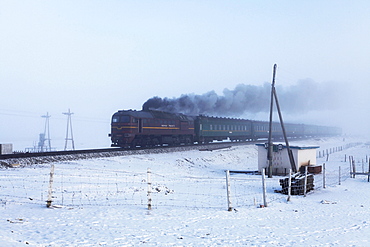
[69,126]
[270,144]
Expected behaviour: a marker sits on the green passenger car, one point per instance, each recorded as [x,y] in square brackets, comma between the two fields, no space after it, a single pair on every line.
[208,129]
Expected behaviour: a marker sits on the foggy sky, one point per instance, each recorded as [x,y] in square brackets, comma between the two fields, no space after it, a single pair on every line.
[97,57]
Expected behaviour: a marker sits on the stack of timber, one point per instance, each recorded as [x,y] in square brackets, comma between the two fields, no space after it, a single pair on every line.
[298,181]
[315,169]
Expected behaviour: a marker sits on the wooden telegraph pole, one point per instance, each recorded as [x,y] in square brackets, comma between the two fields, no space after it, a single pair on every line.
[270,144]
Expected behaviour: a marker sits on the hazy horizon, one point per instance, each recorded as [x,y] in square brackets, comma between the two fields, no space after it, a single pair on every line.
[99,57]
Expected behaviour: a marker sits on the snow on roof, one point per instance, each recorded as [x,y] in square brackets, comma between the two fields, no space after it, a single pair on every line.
[292,147]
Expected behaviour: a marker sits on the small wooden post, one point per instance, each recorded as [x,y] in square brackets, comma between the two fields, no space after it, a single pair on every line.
[305,181]
[289,185]
[149,189]
[354,168]
[51,180]
[229,206]
[368,177]
[339,175]
[323,176]
[264,188]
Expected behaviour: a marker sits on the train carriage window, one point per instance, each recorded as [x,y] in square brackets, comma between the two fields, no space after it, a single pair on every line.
[115,119]
[210,127]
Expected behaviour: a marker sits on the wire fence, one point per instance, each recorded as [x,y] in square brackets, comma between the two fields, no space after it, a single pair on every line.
[104,187]
[327,151]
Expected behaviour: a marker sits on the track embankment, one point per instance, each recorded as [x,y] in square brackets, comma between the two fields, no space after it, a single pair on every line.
[27,159]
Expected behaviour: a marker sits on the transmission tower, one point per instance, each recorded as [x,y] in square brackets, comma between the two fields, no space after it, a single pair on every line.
[45,136]
[69,127]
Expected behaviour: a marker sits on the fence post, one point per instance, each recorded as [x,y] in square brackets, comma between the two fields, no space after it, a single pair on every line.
[51,180]
[289,185]
[368,177]
[323,176]
[264,188]
[149,189]
[305,180]
[339,175]
[363,168]
[354,168]
[229,206]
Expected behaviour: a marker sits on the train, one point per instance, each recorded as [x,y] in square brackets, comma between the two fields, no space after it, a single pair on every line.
[148,128]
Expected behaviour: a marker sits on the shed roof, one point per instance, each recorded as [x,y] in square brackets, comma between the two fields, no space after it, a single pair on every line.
[292,147]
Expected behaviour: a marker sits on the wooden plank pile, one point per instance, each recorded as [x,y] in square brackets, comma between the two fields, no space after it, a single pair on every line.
[298,180]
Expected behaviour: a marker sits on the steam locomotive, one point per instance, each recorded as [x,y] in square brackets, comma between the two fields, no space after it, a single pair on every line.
[130,128]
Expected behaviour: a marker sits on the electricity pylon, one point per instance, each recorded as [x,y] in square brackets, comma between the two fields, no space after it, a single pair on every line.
[45,136]
[69,126]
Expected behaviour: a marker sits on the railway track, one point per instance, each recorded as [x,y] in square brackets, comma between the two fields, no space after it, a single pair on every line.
[57,153]
[25,159]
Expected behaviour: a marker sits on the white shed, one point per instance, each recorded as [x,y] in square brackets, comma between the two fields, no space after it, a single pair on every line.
[303,156]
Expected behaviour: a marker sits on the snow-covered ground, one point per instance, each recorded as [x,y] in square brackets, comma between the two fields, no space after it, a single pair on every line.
[103,202]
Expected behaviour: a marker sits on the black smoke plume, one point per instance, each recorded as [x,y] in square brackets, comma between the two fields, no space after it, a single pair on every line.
[306,95]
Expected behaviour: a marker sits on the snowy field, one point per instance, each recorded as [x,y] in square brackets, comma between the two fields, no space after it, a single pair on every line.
[104,202]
